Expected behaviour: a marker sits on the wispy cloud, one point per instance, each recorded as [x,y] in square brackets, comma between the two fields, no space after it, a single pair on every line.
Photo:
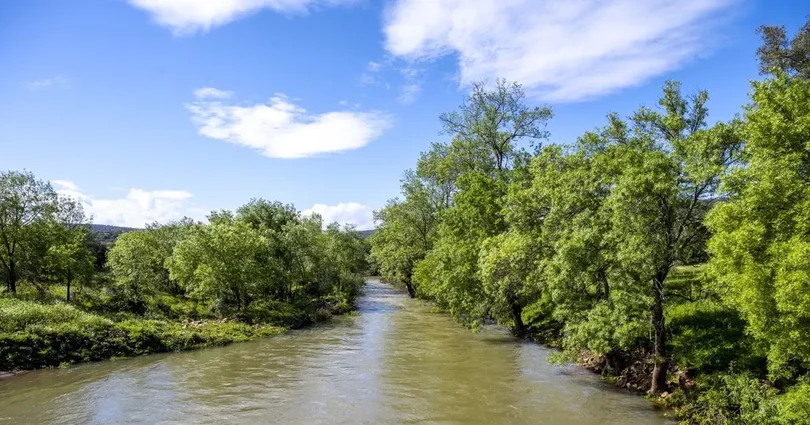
[187,17]
[211,93]
[137,208]
[344,213]
[281,129]
[370,75]
[57,81]
[559,51]
[373,66]
[410,90]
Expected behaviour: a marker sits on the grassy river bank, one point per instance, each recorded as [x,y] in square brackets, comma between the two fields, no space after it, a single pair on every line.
[38,334]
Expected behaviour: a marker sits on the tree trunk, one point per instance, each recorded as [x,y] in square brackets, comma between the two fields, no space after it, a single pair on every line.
[659,375]
[519,329]
[409,284]
[12,277]
[411,290]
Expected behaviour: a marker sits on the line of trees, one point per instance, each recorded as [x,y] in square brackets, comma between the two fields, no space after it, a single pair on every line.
[236,265]
[586,245]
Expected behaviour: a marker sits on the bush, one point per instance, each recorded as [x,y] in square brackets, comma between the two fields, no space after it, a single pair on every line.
[731,399]
[794,406]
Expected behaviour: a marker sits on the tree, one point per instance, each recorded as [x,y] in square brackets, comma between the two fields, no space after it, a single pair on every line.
[24,203]
[666,168]
[138,258]
[491,123]
[760,244]
[406,228]
[449,273]
[69,258]
[399,243]
[264,214]
[225,262]
[509,265]
[791,57]
[563,210]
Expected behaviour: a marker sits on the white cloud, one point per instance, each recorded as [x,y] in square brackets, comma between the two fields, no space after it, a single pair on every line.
[58,81]
[369,76]
[66,185]
[409,92]
[187,17]
[281,129]
[559,50]
[211,93]
[344,213]
[138,208]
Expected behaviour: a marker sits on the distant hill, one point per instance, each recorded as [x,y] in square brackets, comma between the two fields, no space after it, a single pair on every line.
[106,228]
[105,234]
[365,233]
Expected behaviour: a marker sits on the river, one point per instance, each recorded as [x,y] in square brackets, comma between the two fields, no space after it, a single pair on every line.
[397,362]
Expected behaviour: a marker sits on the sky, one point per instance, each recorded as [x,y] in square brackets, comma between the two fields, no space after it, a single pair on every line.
[151,110]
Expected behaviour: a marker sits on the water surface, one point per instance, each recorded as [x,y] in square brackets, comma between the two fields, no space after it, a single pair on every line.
[397,362]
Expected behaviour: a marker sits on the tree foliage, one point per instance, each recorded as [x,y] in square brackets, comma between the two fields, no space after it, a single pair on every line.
[760,244]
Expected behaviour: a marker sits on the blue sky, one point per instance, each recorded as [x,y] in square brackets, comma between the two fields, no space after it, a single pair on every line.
[155,109]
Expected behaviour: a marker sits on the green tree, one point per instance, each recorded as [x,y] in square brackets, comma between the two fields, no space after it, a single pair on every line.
[669,170]
[760,243]
[69,258]
[267,215]
[225,262]
[138,259]
[509,267]
[491,124]
[25,203]
[789,56]
[449,273]
[406,230]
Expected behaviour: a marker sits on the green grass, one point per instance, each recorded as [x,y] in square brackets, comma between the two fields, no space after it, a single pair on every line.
[687,284]
[35,335]
[20,315]
[42,330]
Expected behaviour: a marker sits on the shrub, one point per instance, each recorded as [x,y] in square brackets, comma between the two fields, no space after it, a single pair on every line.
[731,399]
[794,406]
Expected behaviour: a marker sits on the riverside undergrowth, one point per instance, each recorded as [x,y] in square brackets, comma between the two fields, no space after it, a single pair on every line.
[36,335]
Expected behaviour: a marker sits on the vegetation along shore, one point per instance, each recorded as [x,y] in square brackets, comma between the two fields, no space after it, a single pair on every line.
[75,295]
[669,253]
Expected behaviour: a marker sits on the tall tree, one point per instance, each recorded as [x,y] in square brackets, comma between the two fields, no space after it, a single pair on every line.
[138,258]
[667,168]
[69,258]
[491,124]
[24,203]
[789,56]
[761,236]
[225,262]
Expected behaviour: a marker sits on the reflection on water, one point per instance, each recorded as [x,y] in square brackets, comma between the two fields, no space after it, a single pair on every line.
[396,362]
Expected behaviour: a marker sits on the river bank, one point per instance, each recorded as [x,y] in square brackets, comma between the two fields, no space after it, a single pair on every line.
[35,335]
